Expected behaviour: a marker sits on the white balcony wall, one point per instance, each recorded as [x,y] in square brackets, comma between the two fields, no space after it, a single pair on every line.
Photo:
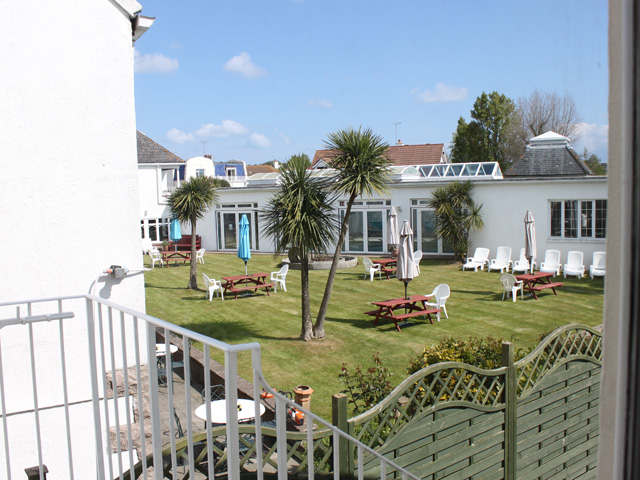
[69,141]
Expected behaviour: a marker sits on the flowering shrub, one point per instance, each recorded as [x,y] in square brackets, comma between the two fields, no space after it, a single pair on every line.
[366,388]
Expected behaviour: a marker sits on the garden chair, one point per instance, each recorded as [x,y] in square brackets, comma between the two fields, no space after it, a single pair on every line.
[522,265]
[502,261]
[147,246]
[574,265]
[480,259]
[597,267]
[440,293]
[417,256]
[200,255]
[371,268]
[212,285]
[551,262]
[216,392]
[155,257]
[511,286]
[280,277]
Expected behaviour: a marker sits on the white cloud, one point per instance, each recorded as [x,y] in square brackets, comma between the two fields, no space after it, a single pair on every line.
[178,136]
[243,65]
[259,140]
[153,63]
[284,137]
[319,103]
[228,128]
[442,93]
[593,136]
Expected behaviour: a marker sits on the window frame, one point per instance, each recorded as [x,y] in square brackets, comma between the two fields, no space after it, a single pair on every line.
[573,224]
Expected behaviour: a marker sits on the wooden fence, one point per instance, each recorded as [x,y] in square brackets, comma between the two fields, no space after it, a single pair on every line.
[532,419]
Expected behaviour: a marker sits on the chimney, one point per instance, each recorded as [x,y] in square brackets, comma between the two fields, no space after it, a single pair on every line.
[399,142]
[276,164]
[210,157]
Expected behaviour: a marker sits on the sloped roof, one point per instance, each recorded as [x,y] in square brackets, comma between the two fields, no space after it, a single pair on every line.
[151,152]
[253,169]
[426,154]
[549,155]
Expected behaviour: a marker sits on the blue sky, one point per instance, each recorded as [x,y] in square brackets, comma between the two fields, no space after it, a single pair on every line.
[264,80]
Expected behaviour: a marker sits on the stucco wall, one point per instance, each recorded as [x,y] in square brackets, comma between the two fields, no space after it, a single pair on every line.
[68,151]
[151,200]
[196,163]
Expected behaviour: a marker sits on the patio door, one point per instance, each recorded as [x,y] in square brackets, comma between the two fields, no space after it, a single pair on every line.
[424,229]
[228,229]
[367,231]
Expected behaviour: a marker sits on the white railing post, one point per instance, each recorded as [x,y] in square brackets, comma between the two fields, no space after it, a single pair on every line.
[95,398]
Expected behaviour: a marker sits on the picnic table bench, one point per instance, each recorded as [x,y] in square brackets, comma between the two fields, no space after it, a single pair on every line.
[242,283]
[387,265]
[536,282]
[414,306]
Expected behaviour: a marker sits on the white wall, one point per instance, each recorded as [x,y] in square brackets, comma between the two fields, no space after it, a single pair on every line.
[196,163]
[68,151]
[505,203]
[151,200]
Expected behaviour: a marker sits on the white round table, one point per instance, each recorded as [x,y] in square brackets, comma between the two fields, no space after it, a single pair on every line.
[246,411]
[161,350]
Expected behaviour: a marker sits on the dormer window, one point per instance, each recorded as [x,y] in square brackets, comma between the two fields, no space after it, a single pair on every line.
[200,172]
[231,172]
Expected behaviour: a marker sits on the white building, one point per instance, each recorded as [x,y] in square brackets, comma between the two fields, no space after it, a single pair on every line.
[68,138]
[568,203]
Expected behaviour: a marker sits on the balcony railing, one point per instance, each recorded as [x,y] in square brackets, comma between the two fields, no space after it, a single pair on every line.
[82,392]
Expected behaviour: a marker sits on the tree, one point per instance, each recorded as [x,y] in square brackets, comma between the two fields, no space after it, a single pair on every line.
[594,163]
[189,203]
[301,157]
[301,215]
[487,137]
[542,112]
[361,169]
[456,215]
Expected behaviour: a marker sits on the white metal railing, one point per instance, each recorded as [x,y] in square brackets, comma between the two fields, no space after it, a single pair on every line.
[76,381]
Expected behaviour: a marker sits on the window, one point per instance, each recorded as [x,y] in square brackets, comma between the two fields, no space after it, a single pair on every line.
[199,172]
[579,219]
[156,229]
[231,172]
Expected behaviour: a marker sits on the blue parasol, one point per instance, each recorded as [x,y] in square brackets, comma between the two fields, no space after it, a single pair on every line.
[175,233]
[244,247]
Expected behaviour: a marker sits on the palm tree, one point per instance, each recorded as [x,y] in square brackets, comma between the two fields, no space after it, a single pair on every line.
[361,169]
[188,203]
[456,215]
[300,215]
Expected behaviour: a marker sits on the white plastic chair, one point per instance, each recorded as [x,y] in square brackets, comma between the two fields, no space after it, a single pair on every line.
[597,267]
[155,257]
[551,262]
[212,285]
[147,246]
[511,286]
[280,277]
[371,268]
[480,259]
[522,265]
[417,256]
[502,261]
[200,255]
[440,293]
[574,265]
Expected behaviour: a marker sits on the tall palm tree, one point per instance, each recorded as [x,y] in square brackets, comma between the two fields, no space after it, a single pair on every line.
[301,215]
[456,215]
[361,169]
[189,203]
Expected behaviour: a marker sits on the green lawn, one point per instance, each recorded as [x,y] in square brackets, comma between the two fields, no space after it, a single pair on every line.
[474,309]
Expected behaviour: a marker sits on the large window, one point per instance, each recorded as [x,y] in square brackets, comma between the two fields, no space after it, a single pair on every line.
[578,219]
[156,229]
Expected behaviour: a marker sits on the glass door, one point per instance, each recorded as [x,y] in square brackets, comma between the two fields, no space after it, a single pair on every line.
[367,231]
[424,230]
[229,226]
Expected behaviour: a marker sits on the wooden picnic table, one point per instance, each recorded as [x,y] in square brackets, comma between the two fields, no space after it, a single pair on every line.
[387,265]
[240,283]
[176,255]
[536,282]
[414,306]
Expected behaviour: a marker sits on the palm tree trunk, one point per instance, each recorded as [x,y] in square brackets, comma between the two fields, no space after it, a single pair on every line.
[318,328]
[307,327]
[193,273]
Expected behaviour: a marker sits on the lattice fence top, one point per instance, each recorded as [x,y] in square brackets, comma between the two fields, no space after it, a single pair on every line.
[566,343]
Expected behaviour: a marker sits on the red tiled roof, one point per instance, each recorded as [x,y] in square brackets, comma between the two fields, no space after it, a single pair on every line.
[427,154]
[253,169]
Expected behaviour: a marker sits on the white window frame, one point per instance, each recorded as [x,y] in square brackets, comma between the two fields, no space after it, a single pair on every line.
[582,222]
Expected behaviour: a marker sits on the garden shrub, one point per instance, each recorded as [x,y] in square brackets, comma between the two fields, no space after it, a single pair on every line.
[366,388]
